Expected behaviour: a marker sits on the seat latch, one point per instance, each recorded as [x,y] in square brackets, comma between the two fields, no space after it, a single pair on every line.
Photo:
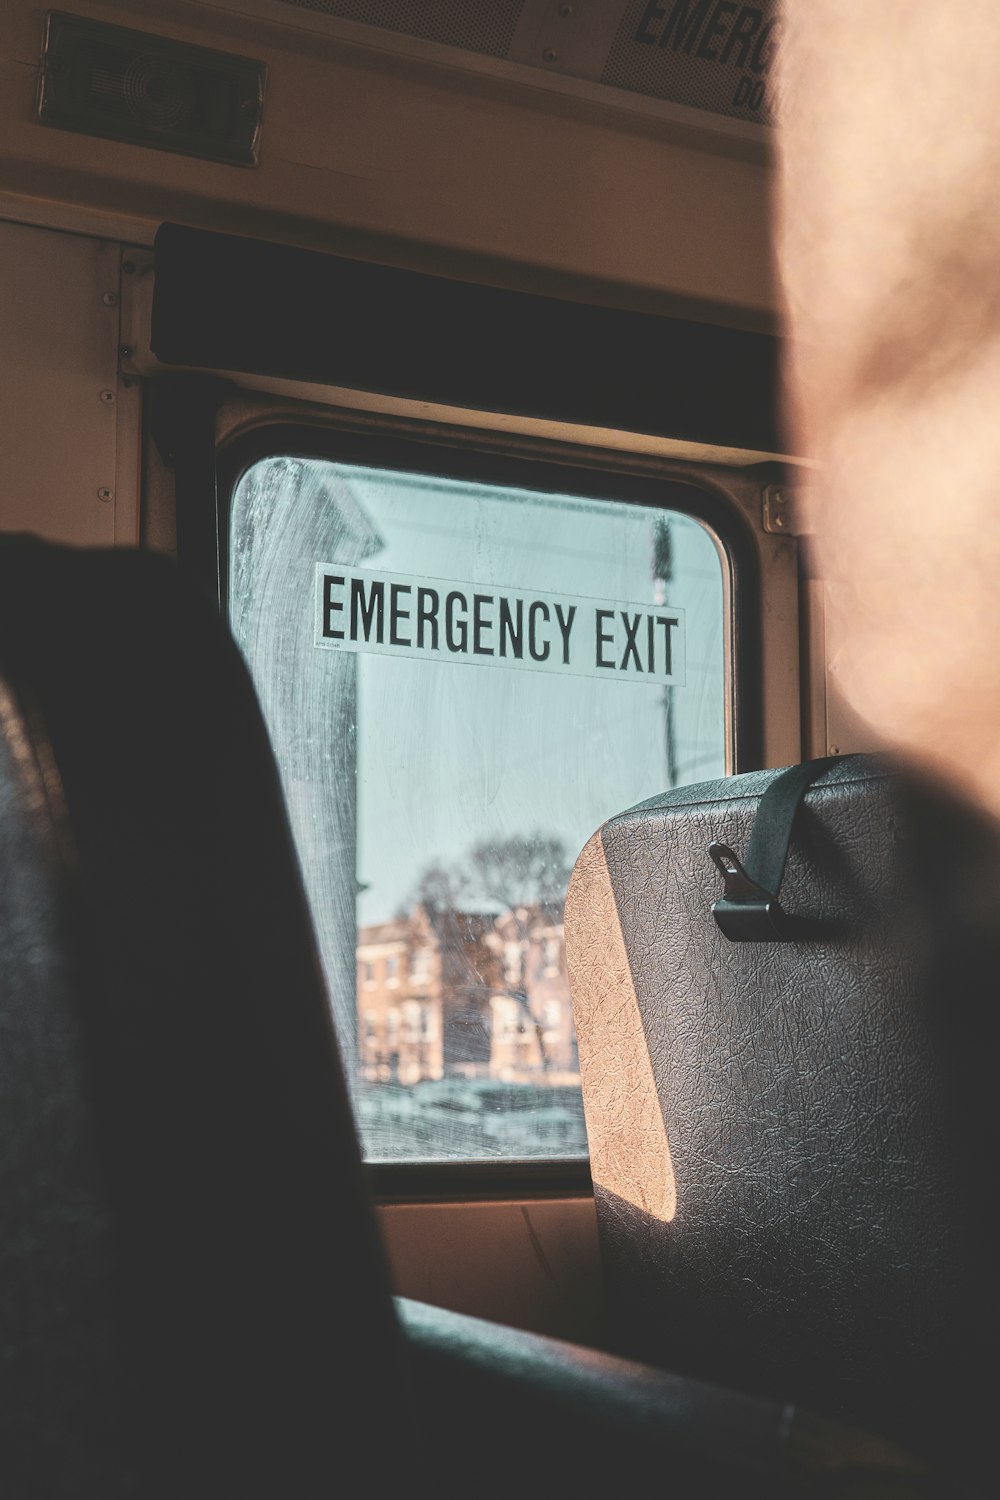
[746,912]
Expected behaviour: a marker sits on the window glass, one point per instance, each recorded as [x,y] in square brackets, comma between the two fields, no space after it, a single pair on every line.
[462,682]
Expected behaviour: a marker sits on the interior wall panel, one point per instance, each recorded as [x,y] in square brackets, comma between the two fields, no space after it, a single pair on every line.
[62,474]
[447,167]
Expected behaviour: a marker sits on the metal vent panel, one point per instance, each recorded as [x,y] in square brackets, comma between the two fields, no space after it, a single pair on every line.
[485,26]
[717,57]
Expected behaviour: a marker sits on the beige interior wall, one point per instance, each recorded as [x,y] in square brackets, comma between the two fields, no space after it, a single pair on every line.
[532,1265]
[69,422]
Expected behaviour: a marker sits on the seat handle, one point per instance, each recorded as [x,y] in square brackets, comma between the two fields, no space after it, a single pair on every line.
[749,910]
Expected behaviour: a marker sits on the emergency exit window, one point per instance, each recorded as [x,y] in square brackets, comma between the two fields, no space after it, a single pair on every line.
[462,681]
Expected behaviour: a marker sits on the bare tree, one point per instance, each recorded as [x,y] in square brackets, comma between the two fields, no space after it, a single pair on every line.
[522,879]
[523,871]
[526,875]
[442,890]
[529,870]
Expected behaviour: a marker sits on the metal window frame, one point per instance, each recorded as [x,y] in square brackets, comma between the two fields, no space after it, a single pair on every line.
[760,570]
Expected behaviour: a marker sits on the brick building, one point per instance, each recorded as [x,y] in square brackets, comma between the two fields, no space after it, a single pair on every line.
[464,994]
[532,1017]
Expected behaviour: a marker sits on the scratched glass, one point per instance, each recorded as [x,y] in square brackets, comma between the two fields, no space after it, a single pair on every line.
[462,682]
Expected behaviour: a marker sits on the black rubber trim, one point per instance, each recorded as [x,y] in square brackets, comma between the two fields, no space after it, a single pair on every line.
[484,1180]
[183,410]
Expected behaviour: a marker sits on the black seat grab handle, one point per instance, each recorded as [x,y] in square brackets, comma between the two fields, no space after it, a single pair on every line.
[749,910]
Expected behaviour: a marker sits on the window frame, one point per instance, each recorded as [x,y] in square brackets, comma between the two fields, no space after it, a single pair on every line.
[549,466]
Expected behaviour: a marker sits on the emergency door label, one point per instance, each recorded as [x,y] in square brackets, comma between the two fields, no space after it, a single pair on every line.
[436,619]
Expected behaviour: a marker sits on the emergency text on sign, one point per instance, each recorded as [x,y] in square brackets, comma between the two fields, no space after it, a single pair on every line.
[365,609]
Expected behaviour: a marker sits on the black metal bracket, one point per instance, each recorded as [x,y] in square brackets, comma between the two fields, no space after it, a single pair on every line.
[746,913]
[182,425]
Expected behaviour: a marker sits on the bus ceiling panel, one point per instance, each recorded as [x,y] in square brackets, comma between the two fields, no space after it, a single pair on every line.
[716,58]
[223,302]
[383,145]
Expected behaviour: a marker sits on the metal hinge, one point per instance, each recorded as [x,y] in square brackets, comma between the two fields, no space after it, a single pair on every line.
[784,512]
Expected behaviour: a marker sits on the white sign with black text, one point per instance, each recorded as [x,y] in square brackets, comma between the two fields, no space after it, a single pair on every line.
[434,619]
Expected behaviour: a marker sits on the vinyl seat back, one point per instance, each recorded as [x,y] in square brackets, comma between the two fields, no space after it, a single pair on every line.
[793,1143]
[195,1296]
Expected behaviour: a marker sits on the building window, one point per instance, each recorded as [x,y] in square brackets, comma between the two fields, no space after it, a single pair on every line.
[512,959]
[552,1016]
[411,1021]
[508,1024]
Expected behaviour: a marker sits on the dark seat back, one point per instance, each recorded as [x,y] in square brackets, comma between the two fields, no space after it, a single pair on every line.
[794,1144]
[195,1296]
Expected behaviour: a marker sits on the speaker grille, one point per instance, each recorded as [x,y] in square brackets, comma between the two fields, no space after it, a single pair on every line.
[671,51]
[485,26]
[150,91]
[157,93]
